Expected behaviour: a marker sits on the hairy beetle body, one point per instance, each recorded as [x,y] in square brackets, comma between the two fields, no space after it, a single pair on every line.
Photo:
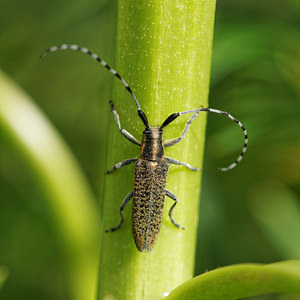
[149,191]
[148,201]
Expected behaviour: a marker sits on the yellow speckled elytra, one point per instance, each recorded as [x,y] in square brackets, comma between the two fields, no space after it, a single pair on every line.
[151,168]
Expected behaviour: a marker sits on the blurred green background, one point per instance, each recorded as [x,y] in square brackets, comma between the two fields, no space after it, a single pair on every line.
[250,214]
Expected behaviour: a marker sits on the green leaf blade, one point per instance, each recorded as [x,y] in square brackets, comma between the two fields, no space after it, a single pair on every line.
[71,201]
[240,281]
[4,273]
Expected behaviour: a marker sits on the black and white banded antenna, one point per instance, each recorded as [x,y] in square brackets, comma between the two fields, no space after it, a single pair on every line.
[240,157]
[195,112]
[104,64]
[142,114]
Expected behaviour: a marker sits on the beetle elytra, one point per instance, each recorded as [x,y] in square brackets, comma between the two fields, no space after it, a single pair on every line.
[151,168]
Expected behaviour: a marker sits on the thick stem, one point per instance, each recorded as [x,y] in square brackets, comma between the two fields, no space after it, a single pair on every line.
[164,51]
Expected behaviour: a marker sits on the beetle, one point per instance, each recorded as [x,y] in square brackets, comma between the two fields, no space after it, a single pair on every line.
[151,168]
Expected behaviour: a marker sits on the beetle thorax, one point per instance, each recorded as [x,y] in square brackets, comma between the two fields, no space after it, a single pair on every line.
[152,146]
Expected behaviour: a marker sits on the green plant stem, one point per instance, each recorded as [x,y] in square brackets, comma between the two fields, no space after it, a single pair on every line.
[163,52]
[70,199]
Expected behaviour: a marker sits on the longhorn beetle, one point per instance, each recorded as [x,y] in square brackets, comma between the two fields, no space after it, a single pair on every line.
[151,168]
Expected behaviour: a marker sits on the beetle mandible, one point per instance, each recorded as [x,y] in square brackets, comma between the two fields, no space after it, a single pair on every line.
[151,168]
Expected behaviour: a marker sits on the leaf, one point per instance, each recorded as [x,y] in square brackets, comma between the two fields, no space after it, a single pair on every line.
[277,211]
[56,171]
[3,275]
[239,281]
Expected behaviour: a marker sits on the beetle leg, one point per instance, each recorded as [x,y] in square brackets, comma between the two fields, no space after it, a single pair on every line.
[187,125]
[173,197]
[125,201]
[125,133]
[120,165]
[179,163]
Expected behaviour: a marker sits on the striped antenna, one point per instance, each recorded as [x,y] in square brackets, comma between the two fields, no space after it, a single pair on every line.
[240,157]
[98,59]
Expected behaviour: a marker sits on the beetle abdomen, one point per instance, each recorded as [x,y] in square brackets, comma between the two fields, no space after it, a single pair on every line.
[148,201]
